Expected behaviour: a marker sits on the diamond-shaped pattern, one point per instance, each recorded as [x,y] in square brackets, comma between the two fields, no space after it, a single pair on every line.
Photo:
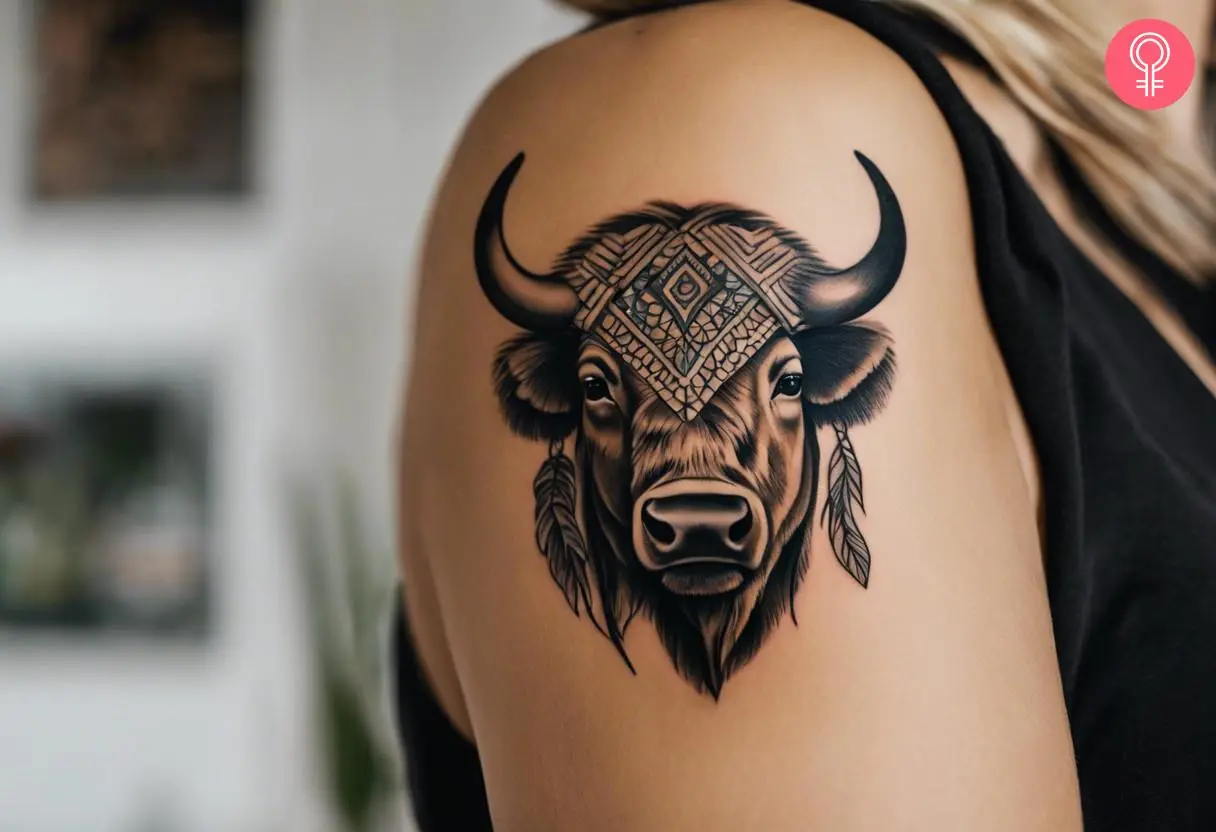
[685,306]
[686,284]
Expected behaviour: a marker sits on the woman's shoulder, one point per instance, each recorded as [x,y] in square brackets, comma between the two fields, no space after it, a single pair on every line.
[717,229]
[749,102]
[727,54]
[687,277]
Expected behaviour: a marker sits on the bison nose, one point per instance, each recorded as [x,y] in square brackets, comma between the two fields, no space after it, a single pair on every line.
[703,536]
[697,522]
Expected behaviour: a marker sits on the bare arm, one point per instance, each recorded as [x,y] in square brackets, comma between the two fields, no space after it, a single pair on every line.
[716,496]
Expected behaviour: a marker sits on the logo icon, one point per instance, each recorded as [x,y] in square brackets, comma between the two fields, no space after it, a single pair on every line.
[1150,64]
[1150,83]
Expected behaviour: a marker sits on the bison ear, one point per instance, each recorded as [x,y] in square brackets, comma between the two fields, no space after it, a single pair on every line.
[536,379]
[847,371]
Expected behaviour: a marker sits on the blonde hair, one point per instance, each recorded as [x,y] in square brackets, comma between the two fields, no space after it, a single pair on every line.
[1052,62]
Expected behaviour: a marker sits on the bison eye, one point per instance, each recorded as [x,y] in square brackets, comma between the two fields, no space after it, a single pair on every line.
[789,385]
[595,389]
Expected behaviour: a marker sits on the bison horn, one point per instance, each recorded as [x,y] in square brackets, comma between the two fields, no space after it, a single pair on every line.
[532,301]
[833,297]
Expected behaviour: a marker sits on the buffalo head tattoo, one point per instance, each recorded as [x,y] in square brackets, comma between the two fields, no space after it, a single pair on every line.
[689,356]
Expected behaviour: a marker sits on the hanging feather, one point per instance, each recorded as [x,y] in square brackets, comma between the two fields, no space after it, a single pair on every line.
[844,491]
[557,532]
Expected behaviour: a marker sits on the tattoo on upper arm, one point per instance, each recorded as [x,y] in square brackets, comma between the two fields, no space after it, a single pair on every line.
[678,362]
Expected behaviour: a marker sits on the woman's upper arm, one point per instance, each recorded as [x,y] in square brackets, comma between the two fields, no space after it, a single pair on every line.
[723,532]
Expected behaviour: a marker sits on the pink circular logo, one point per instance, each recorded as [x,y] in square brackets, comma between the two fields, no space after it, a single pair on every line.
[1150,64]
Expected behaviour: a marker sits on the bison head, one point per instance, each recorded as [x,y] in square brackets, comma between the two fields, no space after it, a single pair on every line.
[691,352]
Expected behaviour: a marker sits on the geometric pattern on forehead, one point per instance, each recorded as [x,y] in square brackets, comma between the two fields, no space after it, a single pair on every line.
[686,305]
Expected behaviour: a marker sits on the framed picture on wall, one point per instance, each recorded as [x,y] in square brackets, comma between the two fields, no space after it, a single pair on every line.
[138,98]
[105,510]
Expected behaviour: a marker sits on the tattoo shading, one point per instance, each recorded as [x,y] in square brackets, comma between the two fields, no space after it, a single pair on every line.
[678,362]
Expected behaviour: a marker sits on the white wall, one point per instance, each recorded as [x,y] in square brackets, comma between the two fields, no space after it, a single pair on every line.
[299,299]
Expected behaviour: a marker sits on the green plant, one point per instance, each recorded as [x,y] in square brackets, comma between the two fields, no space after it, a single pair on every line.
[348,591]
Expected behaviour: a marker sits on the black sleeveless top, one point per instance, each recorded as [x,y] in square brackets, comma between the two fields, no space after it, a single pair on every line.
[1126,438]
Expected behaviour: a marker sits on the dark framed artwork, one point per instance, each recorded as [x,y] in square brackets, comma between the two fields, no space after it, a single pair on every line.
[141,98]
[105,509]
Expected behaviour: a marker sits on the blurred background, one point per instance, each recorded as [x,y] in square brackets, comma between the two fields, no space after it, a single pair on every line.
[208,216]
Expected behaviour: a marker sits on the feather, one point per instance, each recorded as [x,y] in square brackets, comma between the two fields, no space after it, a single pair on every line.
[557,532]
[844,491]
